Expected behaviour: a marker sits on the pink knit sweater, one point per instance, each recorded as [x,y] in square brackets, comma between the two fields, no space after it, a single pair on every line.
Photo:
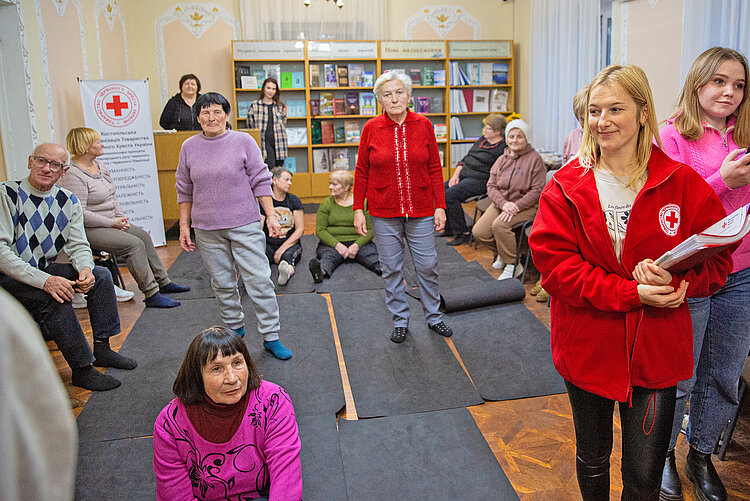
[705,155]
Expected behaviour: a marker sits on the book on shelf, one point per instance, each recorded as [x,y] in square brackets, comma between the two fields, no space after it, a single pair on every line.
[367,103]
[314,107]
[441,131]
[485,73]
[339,158]
[458,75]
[260,76]
[472,71]
[428,77]
[342,73]
[468,99]
[314,75]
[436,104]
[355,74]
[423,104]
[368,79]
[286,80]
[441,153]
[499,101]
[296,136]
[326,103]
[481,100]
[272,71]
[239,72]
[351,131]
[456,129]
[248,82]
[339,106]
[338,134]
[295,109]
[352,103]
[298,80]
[321,162]
[499,73]
[326,132]
[316,135]
[438,78]
[290,164]
[242,108]
[699,247]
[416,76]
[330,75]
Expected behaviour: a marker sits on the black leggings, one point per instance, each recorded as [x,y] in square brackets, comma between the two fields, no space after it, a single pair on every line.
[646,430]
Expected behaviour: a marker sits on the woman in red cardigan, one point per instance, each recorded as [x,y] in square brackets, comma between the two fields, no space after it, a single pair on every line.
[399,173]
[621,328]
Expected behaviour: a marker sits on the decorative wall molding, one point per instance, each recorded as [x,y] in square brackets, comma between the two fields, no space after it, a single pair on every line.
[442,19]
[624,33]
[26,72]
[196,17]
[653,3]
[111,12]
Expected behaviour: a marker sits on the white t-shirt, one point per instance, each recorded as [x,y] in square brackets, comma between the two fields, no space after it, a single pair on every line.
[617,200]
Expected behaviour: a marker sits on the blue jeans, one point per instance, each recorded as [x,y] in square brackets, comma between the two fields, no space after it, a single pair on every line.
[58,321]
[454,196]
[419,233]
[721,340]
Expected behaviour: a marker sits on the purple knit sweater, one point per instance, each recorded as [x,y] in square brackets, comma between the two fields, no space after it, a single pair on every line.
[221,176]
[705,155]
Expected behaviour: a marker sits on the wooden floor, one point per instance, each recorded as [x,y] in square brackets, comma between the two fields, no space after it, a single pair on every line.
[532,438]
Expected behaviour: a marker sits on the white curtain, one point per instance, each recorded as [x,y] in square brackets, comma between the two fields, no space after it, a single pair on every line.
[711,23]
[321,20]
[565,45]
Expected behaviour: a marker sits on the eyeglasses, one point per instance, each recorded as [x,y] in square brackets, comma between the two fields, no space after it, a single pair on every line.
[54,165]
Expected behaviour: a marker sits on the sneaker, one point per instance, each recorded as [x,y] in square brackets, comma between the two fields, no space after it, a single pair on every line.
[79,300]
[285,271]
[498,264]
[510,271]
[123,295]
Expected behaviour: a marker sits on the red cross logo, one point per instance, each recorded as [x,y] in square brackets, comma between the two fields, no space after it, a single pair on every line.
[672,219]
[669,219]
[117,106]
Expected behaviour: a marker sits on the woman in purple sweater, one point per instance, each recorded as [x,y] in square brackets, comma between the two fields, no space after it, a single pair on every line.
[220,175]
[708,133]
[228,434]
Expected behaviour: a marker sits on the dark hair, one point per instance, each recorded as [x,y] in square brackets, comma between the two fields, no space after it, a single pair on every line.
[277,96]
[190,76]
[188,386]
[209,98]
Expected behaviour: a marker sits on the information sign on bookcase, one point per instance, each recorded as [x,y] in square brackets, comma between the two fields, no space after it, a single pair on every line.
[411,49]
[273,50]
[342,50]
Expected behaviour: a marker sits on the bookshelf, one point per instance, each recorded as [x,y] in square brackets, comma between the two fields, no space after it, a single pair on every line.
[322,81]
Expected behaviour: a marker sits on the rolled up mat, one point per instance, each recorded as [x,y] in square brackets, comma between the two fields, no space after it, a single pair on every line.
[478,294]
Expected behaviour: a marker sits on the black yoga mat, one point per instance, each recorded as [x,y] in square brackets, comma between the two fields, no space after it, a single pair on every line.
[159,340]
[448,259]
[476,294]
[188,270]
[322,470]
[431,455]
[506,350]
[421,374]
[116,470]
[454,274]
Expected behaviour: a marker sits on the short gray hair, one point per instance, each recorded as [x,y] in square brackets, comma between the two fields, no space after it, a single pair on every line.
[389,75]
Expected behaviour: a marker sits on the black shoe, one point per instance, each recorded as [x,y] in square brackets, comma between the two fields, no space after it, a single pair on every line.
[700,470]
[399,334]
[671,488]
[443,234]
[441,329]
[316,271]
[460,239]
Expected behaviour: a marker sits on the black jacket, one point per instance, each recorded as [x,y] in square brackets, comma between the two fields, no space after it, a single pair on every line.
[178,115]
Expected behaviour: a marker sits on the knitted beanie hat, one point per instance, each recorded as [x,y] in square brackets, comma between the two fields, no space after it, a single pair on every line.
[518,124]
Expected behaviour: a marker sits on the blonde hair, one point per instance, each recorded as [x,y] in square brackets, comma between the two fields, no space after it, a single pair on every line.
[80,139]
[496,121]
[343,177]
[688,119]
[632,80]
[579,103]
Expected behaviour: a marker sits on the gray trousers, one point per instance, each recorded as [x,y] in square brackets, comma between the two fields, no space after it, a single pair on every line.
[135,246]
[244,249]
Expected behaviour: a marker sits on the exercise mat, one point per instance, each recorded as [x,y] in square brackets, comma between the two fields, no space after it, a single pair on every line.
[116,470]
[421,374]
[454,275]
[322,471]
[447,255]
[506,350]
[431,455]
[477,294]
[188,270]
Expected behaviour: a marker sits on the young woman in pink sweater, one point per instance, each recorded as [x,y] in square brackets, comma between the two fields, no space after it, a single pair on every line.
[710,132]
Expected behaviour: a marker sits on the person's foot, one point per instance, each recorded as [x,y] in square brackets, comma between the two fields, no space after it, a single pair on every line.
[537,287]
[542,296]
[277,349]
[671,488]
[79,300]
[399,334]
[285,272]
[443,234]
[240,331]
[89,378]
[441,329]
[123,295]
[460,239]
[700,470]
[498,264]
[105,357]
[172,288]
[510,271]
[159,300]
[316,271]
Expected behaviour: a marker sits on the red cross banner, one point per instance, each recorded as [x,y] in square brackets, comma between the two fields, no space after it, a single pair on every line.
[120,112]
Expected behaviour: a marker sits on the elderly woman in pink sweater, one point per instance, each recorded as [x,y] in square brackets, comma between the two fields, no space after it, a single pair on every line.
[228,434]
[710,133]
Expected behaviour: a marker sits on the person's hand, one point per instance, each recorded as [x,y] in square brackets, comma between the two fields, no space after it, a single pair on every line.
[505,216]
[274,228]
[351,252]
[647,273]
[341,249]
[360,223]
[510,208]
[662,296]
[277,255]
[735,169]
[453,181]
[85,280]
[439,219]
[121,223]
[60,288]
[185,242]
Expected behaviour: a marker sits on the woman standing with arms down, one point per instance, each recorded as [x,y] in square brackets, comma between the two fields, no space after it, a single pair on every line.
[620,324]
[179,113]
[269,115]
[399,173]
[710,127]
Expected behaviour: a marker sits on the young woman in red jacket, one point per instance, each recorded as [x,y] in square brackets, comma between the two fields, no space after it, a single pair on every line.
[620,324]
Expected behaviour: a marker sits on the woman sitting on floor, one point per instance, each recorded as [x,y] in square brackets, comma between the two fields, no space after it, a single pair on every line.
[334,226]
[228,434]
[286,249]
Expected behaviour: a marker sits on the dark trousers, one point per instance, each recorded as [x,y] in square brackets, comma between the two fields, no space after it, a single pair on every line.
[646,429]
[58,321]
[454,196]
[330,258]
[291,255]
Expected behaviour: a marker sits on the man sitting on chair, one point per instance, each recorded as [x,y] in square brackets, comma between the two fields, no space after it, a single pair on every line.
[37,221]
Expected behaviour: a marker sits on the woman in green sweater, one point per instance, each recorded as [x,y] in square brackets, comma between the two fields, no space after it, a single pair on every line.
[334,226]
